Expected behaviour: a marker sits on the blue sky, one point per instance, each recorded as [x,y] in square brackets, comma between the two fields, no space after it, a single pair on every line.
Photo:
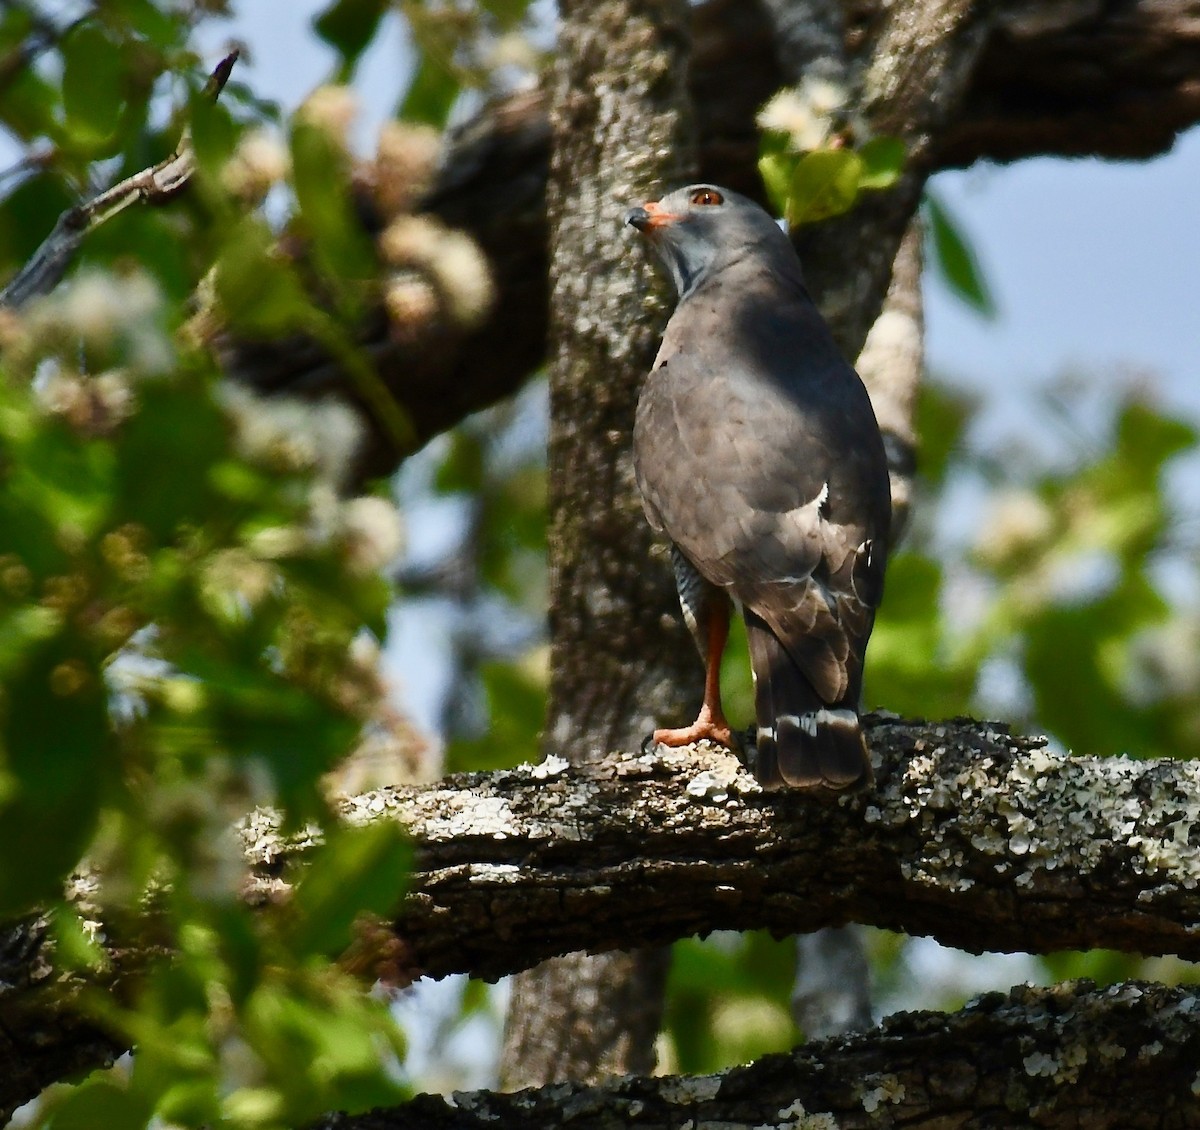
[1094,264]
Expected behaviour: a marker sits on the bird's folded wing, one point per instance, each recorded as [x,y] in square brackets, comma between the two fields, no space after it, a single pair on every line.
[745,484]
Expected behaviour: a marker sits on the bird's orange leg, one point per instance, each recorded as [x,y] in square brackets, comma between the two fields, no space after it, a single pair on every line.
[710,722]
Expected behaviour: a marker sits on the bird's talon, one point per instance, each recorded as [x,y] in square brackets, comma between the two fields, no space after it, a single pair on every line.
[698,731]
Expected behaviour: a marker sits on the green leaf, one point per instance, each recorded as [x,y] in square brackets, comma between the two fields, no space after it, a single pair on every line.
[431,93]
[516,708]
[956,259]
[214,133]
[942,418]
[259,292]
[97,1102]
[824,184]
[181,434]
[349,26]
[320,176]
[356,871]
[463,469]
[507,13]
[56,739]
[29,105]
[1147,440]
[21,630]
[75,948]
[912,669]
[29,213]
[1074,695]
[776,170]
[92,84]
[63,480]
[164,29]
[883,162]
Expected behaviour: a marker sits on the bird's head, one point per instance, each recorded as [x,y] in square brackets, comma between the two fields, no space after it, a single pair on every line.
[701,229]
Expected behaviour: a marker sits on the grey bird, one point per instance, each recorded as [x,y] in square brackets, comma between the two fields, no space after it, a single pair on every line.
[758,455]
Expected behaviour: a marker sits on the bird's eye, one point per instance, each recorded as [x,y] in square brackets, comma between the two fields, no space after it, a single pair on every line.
[707,196]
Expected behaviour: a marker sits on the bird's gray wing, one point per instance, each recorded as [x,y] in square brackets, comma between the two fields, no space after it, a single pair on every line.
[771,489]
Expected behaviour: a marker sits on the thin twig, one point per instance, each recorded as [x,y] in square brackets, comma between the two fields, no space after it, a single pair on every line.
[155,185]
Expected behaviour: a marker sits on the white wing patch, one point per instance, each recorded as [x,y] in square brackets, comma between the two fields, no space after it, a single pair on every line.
[811,722]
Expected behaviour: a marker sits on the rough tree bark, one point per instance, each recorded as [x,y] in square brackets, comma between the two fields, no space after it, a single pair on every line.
[1072,1057]
[892,364]
[984,840]
[979,838]
[620,658]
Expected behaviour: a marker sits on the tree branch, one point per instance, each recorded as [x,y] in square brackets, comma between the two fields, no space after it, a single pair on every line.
[891,364]
[981,839]
[1122,1058]
[155,185]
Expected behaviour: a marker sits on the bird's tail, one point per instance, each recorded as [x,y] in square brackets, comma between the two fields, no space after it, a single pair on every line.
[802,741]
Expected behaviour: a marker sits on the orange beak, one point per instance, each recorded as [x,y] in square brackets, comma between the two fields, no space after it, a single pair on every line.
[650,217]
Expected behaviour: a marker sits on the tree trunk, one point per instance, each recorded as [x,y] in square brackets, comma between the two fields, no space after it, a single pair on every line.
[621,659]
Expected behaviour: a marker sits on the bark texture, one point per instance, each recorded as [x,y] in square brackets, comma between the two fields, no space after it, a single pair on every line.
[42,1037]
[917,61]
[620,658]
[984,840]
[892,365]
[1073,1057]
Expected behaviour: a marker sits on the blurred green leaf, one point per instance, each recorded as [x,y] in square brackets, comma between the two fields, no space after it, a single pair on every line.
[463,468]
[955,259]
[98,1102]
[28,106]
[56,743]
[431,93]
[825,183]
[776,172]
[349,26]
[67,483]
[516,707]
[1147,440]
[507,13]
[942,418]
[181,433]
[162,27]
[883,162]
[259,292]
[321,178]
[28,214]
[727,999]
[359,871]
[214,133]
[75,945]
[92,84]
[913,668]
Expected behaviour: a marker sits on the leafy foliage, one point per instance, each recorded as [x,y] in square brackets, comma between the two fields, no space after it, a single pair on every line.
[955,259]
[816,156]
[190,612]
[1058,588]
